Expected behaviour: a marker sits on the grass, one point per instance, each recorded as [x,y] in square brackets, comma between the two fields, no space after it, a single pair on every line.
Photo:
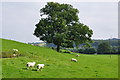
[57,65]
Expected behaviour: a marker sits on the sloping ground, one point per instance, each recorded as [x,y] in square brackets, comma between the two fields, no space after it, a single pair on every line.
[57,65]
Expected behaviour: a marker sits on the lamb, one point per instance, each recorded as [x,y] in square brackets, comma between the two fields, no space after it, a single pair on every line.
[15,50]
[40,66]
[75,60]
[77,55]
[30,64]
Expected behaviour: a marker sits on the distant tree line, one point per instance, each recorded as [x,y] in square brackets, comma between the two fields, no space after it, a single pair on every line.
[102,48]
[98,46]
[112,42]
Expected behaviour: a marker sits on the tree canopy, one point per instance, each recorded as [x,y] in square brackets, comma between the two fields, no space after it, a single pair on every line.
[104,48]
[61,26]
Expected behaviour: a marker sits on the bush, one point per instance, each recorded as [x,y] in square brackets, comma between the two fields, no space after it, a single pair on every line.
[81,50]
[90,51]
[64,51]
[114,49]
[7,55]
[10,54]
[104,48]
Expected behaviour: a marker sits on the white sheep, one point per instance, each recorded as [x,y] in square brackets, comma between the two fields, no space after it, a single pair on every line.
[75,60]
[14,55]
[15,50]
[77,55]
[40,66]
[30,64]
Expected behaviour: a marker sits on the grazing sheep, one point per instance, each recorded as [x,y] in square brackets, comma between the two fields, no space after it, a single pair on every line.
[15,50]
[75,60]
[77,55]
[30,64]
[14,55]
[40,66]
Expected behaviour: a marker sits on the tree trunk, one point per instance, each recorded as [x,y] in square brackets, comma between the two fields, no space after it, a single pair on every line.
[58,48]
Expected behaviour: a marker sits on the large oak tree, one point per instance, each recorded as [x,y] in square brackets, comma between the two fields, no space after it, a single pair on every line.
[59,24]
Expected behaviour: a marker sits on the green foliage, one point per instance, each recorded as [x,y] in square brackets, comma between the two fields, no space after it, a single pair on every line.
[81,50]
[7,55]
[104,48]
[57,65]
[10,54]
[118,49]
[114,49]
[111,42]
[61,26]
[90,51]
[65,51]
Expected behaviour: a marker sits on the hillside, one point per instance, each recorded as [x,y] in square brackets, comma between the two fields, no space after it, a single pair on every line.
[57,65]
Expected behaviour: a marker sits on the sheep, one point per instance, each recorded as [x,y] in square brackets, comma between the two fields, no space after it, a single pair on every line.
[75,60]
[40,66]
[77,55]
[30,64]
[14,55]
[15,50]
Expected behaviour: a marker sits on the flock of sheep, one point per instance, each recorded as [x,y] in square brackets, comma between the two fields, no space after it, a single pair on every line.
[32,64]
[40,66]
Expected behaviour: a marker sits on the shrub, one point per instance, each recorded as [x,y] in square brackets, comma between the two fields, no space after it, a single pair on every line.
[81,50]
[10,54]
[90,51]
[64,51]
[103,48]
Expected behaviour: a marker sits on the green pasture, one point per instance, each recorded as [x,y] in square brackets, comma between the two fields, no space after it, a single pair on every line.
[57,65]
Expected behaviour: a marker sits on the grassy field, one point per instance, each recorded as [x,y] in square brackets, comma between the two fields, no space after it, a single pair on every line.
[57,65]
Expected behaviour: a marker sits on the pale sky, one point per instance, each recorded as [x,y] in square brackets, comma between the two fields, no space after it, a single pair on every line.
[19,19]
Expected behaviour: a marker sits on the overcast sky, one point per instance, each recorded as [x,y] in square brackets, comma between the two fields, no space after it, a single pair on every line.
[19,19]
